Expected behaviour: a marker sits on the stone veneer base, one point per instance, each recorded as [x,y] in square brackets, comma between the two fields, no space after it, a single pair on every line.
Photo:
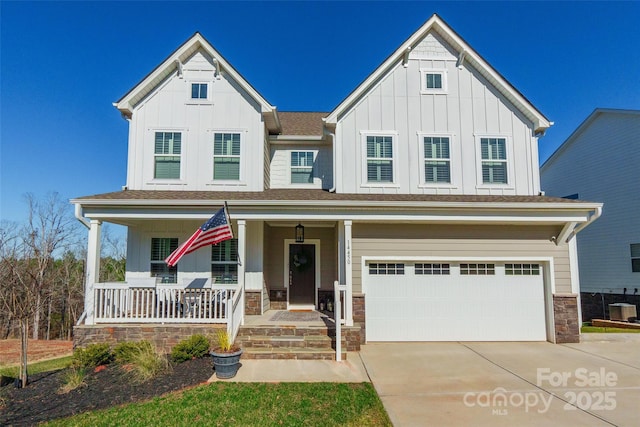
[565,313]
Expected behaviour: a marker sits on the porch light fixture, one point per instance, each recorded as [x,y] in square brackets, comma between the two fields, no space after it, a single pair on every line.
[299,233]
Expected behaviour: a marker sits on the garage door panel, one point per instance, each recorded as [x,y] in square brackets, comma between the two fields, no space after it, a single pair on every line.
[454,307]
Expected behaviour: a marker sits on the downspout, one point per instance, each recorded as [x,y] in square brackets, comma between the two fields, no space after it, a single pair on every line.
[80,216]
[333,152]
[596,214]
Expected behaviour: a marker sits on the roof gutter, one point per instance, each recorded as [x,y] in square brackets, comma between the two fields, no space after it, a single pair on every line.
[596,214]
[80,216]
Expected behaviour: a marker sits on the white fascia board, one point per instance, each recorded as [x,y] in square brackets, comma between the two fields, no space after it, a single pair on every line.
[169,65]
[287,139]
[471,56]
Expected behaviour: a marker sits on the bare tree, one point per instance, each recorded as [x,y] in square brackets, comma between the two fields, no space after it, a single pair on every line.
[47,230]
[114,257]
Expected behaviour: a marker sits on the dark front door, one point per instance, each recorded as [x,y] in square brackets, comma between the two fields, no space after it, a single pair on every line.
[302,274]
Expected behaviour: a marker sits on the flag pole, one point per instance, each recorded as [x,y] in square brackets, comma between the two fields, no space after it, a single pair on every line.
[226,210]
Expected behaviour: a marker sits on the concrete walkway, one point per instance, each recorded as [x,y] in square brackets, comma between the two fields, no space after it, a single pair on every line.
[349,371]
[595,383]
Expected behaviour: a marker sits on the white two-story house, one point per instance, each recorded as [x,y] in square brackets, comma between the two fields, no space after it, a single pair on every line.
[419,194]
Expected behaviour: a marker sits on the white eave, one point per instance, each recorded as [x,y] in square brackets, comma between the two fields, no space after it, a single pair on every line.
[471,57]
[172,65]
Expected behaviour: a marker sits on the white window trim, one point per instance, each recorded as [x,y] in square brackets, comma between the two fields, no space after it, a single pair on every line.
[509,154]
[313,171]
[199,101]
[183,149]
[150,238]
[423,81]
[452,153]
[363,154]
[241,180]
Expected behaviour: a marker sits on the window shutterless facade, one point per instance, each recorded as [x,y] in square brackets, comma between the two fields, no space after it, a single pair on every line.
[167,153]
[161,248]
[379,150]
[302,167]
[437,159]
[199,90]
[494,160]
[226,156]
[433,81]
[224,261]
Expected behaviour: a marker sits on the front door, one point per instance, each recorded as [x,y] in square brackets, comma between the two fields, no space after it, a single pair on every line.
[302,274]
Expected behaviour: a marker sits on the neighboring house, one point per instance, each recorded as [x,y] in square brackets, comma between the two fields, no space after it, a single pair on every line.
[418,193]
[601,161]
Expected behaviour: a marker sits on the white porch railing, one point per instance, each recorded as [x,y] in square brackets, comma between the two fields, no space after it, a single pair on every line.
[124,303]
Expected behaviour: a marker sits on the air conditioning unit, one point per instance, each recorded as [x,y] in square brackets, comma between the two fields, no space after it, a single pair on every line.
[623,312]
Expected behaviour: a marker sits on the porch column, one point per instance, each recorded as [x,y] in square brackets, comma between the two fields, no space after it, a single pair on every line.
[242,251]
[348,269]
[92,273]
[341,277]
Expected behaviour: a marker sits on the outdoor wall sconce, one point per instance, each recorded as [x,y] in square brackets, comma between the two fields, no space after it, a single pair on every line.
[299,233]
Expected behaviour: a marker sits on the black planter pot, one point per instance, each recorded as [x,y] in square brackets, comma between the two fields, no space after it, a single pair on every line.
[226,364]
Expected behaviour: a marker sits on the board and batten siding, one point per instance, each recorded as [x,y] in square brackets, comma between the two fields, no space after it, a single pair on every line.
[280,166]
[602,164]
[499,242]
[470,108]
[274,254]
[169,108]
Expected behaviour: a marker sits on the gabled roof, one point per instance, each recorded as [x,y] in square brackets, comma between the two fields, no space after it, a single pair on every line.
[172,64]
[471,57]
[598,112]
[302,123]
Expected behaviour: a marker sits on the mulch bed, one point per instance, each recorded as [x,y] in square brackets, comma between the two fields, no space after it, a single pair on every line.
[40,400]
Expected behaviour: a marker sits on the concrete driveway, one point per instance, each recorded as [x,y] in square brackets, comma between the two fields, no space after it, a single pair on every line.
[594,383]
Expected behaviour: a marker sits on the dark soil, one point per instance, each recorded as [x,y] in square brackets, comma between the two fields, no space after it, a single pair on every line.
[41,400]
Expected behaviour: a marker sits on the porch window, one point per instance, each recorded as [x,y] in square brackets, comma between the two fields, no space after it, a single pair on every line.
[436,160]
[478,269]
[302,167]
[494,160]
[161,248]
[379,158]
[168,148]
[386,269]
[224,261]
[522,269]
[635,257]
[226,156]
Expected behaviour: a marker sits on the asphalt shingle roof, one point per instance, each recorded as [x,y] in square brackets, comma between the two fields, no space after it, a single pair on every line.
[301,123]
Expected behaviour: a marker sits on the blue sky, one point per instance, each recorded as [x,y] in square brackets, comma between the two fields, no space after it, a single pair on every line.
[62,64]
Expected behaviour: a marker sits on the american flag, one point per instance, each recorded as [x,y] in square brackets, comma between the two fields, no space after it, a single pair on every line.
[216,230]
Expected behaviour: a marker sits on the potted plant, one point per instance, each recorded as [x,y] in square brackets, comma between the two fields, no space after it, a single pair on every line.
[226,355]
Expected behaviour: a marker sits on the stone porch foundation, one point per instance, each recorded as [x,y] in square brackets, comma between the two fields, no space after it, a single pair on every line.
[164,337]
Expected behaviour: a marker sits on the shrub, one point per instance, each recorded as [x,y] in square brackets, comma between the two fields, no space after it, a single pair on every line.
[191,348]
[91,356]
[147,362]
[126,352]
[72,379]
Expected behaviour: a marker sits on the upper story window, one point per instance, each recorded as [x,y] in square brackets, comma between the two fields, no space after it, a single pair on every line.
[433,81]
[494,160]
[379,158]
[302,167]
[226,156]
[437,159]
[224,261]
[635,257]
[168,148]
[199,90]
[161,248]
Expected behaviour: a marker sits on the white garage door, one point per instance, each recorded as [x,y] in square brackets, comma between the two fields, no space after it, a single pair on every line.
[454,301]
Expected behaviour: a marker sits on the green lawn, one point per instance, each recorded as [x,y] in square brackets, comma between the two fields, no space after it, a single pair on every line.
[37,367]
[601,329]
[249,404]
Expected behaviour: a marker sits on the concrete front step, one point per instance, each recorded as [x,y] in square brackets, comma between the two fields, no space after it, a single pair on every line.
[291,353]
[284,341]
